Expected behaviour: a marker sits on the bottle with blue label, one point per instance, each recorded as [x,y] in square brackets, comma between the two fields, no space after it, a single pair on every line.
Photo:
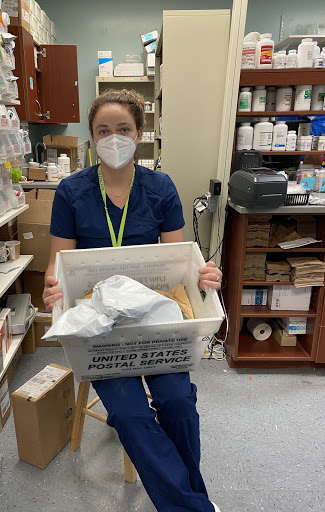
[280,133]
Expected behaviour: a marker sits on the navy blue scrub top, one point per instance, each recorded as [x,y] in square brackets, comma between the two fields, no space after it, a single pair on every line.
[78,209]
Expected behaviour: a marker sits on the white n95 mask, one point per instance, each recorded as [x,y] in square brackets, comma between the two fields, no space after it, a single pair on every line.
[116,150]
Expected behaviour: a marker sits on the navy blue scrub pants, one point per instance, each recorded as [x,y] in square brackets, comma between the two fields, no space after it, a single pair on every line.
[166,455]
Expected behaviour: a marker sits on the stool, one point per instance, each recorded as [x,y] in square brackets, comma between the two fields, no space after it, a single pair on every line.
[81,410]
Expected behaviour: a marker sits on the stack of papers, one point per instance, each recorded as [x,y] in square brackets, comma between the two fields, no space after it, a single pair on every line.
[278,271]
[307,271]
[254,267]
[258,231]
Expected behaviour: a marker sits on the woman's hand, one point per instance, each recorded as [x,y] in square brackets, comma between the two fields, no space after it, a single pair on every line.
[51,292]
[210,276]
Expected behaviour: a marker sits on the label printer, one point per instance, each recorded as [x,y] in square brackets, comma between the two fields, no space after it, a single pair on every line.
[258,188]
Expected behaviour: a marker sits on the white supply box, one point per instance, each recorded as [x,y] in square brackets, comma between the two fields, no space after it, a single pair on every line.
[129,69]
[254,297]
[293,325]
[105,63]
[149,37]
[138,350]
[289,298]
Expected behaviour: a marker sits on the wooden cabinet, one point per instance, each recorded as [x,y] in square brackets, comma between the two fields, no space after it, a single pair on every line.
[48,92]
[242,348]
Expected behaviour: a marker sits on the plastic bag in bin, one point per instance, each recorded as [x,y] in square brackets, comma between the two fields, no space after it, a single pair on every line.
[119,300]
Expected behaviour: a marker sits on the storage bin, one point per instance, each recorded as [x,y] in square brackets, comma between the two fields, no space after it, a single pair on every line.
[138,350]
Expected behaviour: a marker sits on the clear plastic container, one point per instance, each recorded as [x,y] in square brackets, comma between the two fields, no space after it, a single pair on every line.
[4,118]
[6,151]
[319,185]
[7,197]
[16,143]
[4,206]
[14,121]
[5,179]
[306,177]
[26,141]
[19,194]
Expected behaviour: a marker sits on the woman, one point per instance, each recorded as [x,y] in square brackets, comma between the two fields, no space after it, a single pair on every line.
[122,203]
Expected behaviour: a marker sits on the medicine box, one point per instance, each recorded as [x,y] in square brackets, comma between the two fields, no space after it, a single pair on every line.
[149,37]
[289,298]
[150,48]
[293,325]
[129,69]
[138,350]
[105,63]
[254,297]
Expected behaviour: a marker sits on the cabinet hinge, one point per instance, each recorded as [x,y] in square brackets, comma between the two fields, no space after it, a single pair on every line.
[42,52]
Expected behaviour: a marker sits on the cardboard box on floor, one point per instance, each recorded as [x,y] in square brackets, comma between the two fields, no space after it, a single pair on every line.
[43,412]
[5,406]
[34,228]
[57,144]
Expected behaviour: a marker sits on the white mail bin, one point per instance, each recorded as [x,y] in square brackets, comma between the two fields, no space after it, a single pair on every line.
[145,349]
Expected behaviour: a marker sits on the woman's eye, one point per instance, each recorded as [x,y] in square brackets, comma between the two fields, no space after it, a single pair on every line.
[125,130]
[102,132]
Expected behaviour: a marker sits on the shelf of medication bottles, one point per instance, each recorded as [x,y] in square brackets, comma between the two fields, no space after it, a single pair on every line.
[4,101]
[286,76]
[261,311]
[292,152]
[282,114]
[268,350]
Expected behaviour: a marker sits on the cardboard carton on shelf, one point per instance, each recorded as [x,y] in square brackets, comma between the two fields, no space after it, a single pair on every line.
[280,335]
[37,173]
[18,11]
[43,412]
[42,324]
[9,229]
[34,228]
[289,298]
[58,144]
[15,364]
[5,405]
[34,284]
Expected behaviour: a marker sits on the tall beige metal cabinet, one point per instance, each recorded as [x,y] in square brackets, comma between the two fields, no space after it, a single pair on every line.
[193,51]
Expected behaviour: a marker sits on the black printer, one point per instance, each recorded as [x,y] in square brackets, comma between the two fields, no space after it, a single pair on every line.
[258,188]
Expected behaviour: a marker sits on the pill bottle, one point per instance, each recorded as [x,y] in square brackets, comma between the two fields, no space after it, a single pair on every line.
[248,53]
[321,143]
[303,97]
[317,97]
[316,52]
[52,172]
[283,99]
[292,59]
[263,131]
[319,62]
[280,61]
[270,99]
[306,53]
[280,133]
[304,142]
[291,141]
[259,99]
[245,136]
[264,52]
[245,100]
[64,162]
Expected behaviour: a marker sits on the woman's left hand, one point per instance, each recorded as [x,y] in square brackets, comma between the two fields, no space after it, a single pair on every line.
[210,276]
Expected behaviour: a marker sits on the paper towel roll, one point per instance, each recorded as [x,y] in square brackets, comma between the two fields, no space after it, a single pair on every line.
[259,328]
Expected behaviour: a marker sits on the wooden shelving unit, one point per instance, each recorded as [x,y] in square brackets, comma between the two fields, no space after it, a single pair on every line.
[290,76]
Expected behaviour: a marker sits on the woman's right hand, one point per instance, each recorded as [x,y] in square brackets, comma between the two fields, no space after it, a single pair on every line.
[51,292]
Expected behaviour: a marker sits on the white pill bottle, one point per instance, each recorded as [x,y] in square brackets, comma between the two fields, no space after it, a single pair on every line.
[64,163]
[280,133]
[248,53]
[264,52]
[306,53]
[245,136]
[263,132]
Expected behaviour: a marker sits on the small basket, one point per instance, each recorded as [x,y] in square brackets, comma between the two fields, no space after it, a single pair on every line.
[296,199]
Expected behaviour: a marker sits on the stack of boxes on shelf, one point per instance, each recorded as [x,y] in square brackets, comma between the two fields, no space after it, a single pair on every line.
[34,236]
[303,272]
[28,14]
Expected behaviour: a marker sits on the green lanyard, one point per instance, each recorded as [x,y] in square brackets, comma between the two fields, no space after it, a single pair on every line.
[109,222]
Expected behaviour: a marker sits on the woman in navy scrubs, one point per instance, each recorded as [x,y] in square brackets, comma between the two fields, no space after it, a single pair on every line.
[119,203]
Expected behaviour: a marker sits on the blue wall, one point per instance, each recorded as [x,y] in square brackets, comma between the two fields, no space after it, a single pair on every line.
[108,25]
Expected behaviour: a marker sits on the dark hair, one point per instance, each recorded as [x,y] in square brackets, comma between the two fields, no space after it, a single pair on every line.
[130,99]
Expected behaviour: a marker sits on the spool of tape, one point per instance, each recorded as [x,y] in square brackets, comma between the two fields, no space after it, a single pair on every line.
[259,328]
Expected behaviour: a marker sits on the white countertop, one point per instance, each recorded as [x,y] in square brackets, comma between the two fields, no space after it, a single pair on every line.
[289,210]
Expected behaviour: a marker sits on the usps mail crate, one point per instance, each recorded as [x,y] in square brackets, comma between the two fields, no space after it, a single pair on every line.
[143,350]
